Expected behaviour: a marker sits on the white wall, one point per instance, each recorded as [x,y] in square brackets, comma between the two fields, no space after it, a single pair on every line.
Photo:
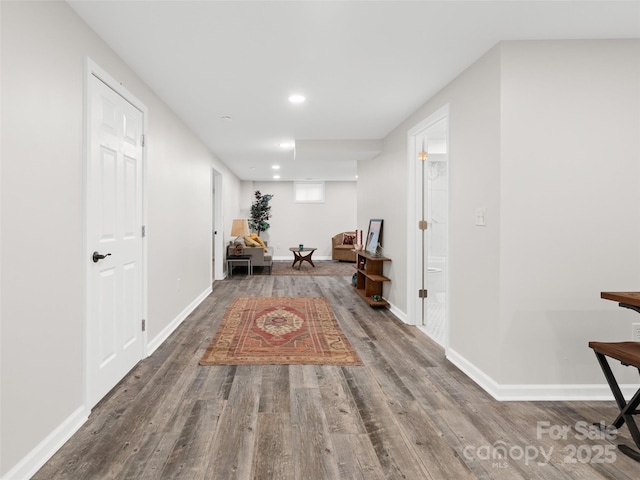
[473,100]
[44,45]
[382,193]
[311,224]
[545,135]
[570,210]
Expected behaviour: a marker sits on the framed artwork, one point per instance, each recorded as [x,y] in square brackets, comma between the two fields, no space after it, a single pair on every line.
[374,236]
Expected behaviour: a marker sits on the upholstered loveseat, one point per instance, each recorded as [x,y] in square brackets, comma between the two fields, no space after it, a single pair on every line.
[342,247]
[260,256]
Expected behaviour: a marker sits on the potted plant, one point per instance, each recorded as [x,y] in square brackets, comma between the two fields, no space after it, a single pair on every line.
[260,212]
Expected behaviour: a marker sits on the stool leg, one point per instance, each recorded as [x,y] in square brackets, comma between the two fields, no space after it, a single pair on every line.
[627,410]
[613,385]
[628,413]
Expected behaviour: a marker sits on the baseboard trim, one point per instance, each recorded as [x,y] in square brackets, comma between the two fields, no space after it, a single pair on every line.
[36,458]
[398,313]
[42,453]
[153,345]
[534,393]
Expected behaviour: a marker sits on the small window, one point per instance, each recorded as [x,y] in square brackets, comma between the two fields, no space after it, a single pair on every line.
[308,192]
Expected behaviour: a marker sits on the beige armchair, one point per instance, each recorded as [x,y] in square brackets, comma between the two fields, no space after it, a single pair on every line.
[341,251]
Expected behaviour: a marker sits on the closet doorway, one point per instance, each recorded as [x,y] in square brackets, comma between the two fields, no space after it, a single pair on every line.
[217,254]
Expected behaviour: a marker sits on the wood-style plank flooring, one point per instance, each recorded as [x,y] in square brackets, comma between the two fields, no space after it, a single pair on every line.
[406,414]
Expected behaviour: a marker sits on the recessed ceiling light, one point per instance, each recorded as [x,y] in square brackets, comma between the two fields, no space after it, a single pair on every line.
[226,118]
[276,167]
[276,177]
[296,98]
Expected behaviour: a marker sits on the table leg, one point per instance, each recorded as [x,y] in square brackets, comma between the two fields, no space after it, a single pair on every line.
[231,263]
[308,258]
[296,258]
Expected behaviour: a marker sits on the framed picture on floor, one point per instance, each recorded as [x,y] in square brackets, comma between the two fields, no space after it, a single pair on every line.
[374,236]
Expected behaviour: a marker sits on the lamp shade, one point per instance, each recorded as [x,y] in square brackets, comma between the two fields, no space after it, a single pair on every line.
[240,227]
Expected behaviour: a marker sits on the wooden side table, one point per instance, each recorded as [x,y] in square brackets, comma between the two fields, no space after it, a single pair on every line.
[299,258]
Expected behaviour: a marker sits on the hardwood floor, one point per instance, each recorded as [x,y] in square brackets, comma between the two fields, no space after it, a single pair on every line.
[406,414]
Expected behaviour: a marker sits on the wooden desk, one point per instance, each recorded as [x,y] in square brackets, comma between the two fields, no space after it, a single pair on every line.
[625,299]
[627,353]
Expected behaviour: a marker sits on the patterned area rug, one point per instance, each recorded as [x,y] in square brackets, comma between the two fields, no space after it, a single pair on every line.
[322,267]
[279,330]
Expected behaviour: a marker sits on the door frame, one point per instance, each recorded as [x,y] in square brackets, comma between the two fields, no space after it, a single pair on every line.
[218,223]
[414,197]
[93,70]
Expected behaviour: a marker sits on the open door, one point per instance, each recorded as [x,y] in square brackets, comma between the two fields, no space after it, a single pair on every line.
[429,226]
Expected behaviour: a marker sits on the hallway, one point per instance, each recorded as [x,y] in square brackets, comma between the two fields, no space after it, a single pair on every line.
[407,413]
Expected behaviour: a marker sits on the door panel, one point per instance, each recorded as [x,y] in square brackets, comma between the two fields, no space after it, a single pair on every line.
[114,226]
[106,338]
[131,222]
[107,185]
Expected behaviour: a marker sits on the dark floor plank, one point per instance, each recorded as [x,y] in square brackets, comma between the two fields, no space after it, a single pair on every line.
[357,459]
[232,448]
[314,456]
[274,396]
[191,450]
[151,457]
[396,456]
[273,457]
[339,407]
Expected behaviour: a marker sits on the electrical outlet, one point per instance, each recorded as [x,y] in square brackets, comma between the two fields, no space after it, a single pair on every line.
[635,332]
[481,217]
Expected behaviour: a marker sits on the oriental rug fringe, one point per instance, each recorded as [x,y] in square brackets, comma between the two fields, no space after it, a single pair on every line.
[279,330]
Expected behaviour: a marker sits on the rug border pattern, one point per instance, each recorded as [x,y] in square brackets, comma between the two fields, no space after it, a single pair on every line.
[231,338]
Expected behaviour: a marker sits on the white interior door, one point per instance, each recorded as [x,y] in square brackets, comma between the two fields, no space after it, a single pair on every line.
[114,215]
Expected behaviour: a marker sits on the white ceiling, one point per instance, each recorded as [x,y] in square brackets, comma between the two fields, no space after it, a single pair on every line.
[364,66]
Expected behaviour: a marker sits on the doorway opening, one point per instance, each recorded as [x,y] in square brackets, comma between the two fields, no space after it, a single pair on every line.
[428,251]
[217,225]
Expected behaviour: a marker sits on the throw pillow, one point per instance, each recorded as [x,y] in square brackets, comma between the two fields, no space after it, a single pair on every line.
[348,238]
[256,238]
[250,242]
